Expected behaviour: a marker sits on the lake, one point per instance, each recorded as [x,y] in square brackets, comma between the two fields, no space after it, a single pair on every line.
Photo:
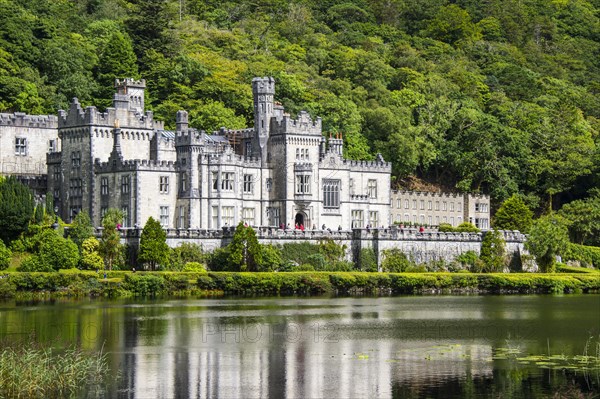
[341,347]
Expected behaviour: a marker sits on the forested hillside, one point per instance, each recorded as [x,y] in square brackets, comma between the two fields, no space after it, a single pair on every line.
[497,96]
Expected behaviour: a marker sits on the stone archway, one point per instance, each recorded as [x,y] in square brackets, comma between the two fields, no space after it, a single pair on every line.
[301,219]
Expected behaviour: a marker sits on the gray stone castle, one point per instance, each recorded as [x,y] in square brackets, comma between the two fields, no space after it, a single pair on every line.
[283,171]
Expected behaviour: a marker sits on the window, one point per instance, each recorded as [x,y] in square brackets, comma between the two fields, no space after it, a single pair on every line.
[56,173]
[56,195]
[444,206]
[459,207]
[429,205]
[406,204]
[52,145]
[429,220]
[437,220]
[20,146]
[399,204]
[215,180]
[351,184]
[452,207]
[227,181]
[302,184]
[452,220]
[183,181]
[104,186]
[406,218]
[459,220]
[372,188]
[248,216]
[331,193]
[373,218]
[273,216]
[164,184]
[248,184]
[422,204]
[227,216]
[269,184]
[103,211]
[422,219]
[357,219]
[125,210]
[481,207]
[415,219]
[125,185]
[75,187]
[297,154]
[164,216]
[76,159]
[248,149]
[414,204]
[437,205]
[482,223]
[181,219]
[215,217]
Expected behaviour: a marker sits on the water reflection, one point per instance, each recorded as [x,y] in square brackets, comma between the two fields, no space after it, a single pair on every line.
[331,347]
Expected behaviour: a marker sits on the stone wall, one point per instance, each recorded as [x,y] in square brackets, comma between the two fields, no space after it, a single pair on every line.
[420,246]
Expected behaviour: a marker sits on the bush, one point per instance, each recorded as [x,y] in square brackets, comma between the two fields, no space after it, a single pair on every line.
[144,284]
[194,267]
[466,227]
[90,258]
[588,256]
[33,263]
[184,253]
[445,227]
[57,252]
[5,255]
[367,260]
[7,288]
[395,261]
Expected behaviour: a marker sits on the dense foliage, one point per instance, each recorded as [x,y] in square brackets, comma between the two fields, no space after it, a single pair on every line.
[16,209]
[153,245]
[495,96]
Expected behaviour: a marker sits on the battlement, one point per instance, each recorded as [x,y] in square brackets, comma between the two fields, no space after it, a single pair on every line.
[432,194]
[135,164]
[21,119]
[368,166]
[264,85]
[129,82]
[303,124]
[128,118]
[228,157]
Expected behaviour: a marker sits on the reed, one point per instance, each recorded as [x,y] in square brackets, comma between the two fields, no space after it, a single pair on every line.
[32,371]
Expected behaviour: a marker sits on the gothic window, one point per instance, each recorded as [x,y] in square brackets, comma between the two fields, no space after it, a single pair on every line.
[215,181]
[248,216]
[164,216]
[227,216]
[227,181]
[164,184]
[181,219]
[444,206]
[414,204]
[406,204]
[248,184]
[452,207]
[481,207]
[437,205]
[357,219]
[331,193]
[76,159]
[422,203]
[215,217]
[104,186]
[125,211]
[374,218]
[372,188]
[125,185]
[302,184]
[429,206]
[20,146]
[183,182]
[273,216]
[56,173]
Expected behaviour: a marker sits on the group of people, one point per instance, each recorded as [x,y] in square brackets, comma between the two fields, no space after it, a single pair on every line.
[300,226]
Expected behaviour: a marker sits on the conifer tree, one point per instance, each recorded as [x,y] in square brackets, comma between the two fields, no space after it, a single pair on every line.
[16,208]
[153,244]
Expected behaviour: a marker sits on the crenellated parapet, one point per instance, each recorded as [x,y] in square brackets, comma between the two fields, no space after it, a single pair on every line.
[228,157]
[428,194]
[135,165]
[21,119]
[367,166]
[303,124]
[127,118]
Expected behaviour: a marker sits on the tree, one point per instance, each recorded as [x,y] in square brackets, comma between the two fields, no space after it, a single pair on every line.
[110,243]
[245,253]
[56,252]
[81,229]
[90,258]
[5,255]
[584,219]
[513,214]
[493,252]
[547,239]
[153,244]
[395,261]
[16,208]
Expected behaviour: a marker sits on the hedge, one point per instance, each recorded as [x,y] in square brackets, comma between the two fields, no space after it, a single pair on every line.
[587,255]
[146,284]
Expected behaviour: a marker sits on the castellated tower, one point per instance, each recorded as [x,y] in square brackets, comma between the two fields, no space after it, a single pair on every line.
[130,94]
[263,90]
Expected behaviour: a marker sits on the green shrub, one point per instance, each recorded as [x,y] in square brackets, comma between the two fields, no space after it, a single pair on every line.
[194,267]
[5,255]
[367,260]
[586,255]
[90,258]
[144,284]
[33,263]
[466,227]
[445,227]
[7,288]
[185,253]
[395,261]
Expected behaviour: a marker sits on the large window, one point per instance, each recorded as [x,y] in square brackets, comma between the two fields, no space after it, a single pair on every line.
[406,204]
[181,218]
[183,181]
[273,215]
[76,159]
[248,216]
[20,146]
[227,181]
[125,188]
[164,216]
[331,193]
[104,185]
[75,187]
[357,219]
[248,184]
[482,223]
[227,216]
[215,217]
[373,218]
[481,207]
[302,184]
[372,188]
[56,173]
[215,180]
[164,184]
[125,210]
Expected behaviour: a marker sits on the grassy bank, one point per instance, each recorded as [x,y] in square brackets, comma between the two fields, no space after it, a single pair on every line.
[147,284]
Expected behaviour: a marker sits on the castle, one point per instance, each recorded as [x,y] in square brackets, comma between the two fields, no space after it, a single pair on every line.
[283,171]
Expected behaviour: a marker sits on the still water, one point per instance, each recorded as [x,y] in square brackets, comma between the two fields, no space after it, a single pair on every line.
[350,347]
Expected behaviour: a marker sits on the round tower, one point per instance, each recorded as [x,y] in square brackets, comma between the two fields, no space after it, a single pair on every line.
[263,90]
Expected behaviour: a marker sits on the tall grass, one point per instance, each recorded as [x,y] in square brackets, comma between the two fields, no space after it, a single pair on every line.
[31,371]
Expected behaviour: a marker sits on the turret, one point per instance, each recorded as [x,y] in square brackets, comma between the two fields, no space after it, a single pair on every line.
[263,90]
[181,120]
[130,94]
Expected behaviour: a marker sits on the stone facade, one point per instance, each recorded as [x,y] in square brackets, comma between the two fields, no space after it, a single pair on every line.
[431,209]
[24,142]
[281,171]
